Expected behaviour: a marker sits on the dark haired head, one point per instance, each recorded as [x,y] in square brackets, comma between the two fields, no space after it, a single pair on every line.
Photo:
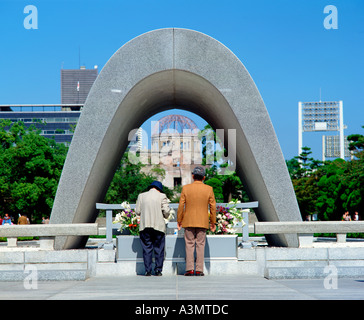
[197,177]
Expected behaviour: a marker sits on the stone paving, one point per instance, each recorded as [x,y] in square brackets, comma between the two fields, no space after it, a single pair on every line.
[242,287]
[210,287]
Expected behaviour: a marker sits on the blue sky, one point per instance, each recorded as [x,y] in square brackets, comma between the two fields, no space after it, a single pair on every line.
[283,44]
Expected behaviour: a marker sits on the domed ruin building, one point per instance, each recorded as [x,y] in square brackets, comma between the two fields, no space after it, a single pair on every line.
[175,146]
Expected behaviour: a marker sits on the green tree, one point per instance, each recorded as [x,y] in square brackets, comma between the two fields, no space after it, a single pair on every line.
[30,168]
[331,191]
[356,144]
[305,164]
[129,181]
[353,181]
[232,187]
[329,188]
[216,184]
[294,168]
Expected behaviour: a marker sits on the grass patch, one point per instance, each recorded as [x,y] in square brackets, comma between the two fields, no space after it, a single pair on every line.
[333,235]
[3,239]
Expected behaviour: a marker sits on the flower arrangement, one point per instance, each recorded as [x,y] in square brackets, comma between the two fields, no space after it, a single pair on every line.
[171,216]
[227,218]
[128,219]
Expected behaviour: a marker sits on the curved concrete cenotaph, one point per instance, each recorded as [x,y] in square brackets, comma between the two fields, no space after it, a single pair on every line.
[167,69]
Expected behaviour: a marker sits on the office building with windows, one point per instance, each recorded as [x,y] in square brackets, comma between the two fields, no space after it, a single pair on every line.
[56,121]
[53,122]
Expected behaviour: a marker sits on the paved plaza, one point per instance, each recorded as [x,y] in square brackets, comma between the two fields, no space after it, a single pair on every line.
[242,287]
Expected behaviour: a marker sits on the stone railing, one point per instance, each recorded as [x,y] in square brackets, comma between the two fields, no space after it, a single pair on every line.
[306,229]
[46,232]
[172,224]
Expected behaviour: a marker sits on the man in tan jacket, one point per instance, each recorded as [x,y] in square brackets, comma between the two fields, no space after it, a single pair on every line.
[152,207]
[193,215]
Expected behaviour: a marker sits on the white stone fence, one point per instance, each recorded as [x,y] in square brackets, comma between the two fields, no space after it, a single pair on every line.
[306,229]
[110,207]
[46,232]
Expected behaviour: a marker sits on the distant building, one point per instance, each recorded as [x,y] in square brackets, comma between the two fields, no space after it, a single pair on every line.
[331,147]
[323,116]
[76,84]
[50,119]
[56,121]
[176,148]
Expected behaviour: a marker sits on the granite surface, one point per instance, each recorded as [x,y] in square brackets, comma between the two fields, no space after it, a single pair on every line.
[160,70]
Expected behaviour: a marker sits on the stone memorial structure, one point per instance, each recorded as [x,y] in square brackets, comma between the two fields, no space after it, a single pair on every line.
[160,70]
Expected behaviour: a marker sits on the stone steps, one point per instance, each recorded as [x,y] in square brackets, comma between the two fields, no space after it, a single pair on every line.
[45,265]
[313,272]
[305,263]
[57,274]
[268,262]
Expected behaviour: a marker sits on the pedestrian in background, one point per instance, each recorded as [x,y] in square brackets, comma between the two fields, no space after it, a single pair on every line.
[346,216]
[7,219]
[356,216]
[23,219]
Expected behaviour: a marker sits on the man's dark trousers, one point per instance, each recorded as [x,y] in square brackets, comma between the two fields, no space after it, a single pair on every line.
[152,240]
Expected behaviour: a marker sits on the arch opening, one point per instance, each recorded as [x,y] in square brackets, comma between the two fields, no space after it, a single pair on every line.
[145,100]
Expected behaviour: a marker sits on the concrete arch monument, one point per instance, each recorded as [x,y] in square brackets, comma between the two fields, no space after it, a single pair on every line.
[160,70]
